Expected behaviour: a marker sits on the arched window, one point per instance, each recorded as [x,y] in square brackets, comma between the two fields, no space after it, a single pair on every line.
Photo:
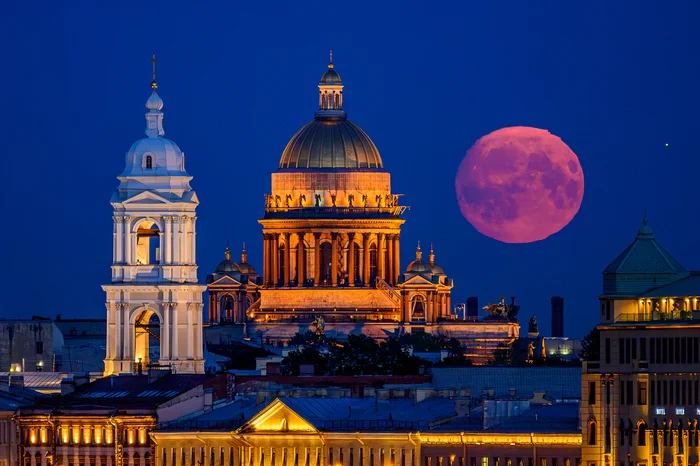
[147,243]
[418,308]
[149,161]
[642,434]
[592,433]
[325,265]
[227,307]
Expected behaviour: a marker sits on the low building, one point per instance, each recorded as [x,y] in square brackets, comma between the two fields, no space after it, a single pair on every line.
[30,345]
[13,395]
[107,422]
[374,431]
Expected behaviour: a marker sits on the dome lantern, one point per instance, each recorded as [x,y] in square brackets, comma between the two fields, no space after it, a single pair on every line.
[330,95]
[154,118]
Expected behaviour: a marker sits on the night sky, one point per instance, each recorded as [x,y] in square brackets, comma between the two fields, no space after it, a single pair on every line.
[617,81]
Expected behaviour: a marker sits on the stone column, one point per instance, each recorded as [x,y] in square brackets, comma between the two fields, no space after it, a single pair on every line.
[120,239]
[365,259]
[275,259]
[429,311]
[390,259]
[381,272]
[127,240]
[175,353]
[166,250]
[317,259]
[165,335]
[286,261]
[240,318]
[266,259]
[118,343]
[301,260]
[351,259]
[128,352]
[406,317]
[193,232]
[334,259]
[397,260]
[176,240]
[190,333]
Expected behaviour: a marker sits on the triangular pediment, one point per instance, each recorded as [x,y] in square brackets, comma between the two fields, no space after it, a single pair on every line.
[277,417]
[418,280]
[147,197]
[225,280]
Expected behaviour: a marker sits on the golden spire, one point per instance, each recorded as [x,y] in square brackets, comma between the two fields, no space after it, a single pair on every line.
[154,84]
[227,254]
[244,256]
[431,256]
[419,253]
[330,60]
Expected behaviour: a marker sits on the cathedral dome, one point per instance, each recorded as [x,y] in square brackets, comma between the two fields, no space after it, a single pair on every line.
[330,140]
[331,143]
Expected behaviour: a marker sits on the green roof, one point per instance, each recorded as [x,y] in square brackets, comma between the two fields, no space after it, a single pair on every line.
[645,256]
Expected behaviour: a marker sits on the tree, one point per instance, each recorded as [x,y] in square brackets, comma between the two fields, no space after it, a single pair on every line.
[291,364]
[503,355]
[590,346]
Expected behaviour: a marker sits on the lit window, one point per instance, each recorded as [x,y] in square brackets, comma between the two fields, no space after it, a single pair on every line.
[660,411]
[697,411]
[149,161]
[680,411]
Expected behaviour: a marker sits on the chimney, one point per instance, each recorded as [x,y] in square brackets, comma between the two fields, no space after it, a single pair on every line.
[17,381]
[557,316]
[473,306]
[67,385]
[208,399]
[462,406]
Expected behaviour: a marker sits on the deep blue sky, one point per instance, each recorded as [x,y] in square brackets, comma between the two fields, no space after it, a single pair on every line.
[615,80]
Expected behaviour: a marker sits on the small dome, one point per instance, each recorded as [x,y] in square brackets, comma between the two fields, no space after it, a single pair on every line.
[418,266]
[436,269]
[331,76]
[228,267]
[247,268]
[166,158]
[154,102]
[328,143]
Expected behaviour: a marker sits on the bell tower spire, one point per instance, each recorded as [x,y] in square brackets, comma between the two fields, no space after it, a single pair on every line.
[154,118]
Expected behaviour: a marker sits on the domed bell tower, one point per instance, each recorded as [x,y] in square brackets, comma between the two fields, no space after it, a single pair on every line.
[154,303]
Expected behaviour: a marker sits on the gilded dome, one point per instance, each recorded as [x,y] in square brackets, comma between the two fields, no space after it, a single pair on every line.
[331,143]
[330,77]
[418,266]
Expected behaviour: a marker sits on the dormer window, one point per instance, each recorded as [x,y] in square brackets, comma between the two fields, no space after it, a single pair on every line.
[149,161]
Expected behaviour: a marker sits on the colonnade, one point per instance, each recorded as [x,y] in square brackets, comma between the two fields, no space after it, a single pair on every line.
[277,270]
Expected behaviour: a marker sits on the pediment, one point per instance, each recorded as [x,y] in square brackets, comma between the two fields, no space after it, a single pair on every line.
[418,280]
[147,197]
[225,280]
[277,417]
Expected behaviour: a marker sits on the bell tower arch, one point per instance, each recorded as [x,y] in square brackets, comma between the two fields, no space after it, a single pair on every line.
[154,303]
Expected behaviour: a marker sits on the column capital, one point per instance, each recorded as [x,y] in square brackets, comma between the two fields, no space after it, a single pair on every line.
[301,235]
[317,235]
[334,235]
[351,235]
[365,236]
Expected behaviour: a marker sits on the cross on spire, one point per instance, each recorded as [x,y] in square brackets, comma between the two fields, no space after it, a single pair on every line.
[330,59]
[154,84]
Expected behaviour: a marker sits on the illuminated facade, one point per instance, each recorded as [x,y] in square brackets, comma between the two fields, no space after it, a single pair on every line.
[331,247]
[280,435]
[107,422]
[641,402]
[154,303]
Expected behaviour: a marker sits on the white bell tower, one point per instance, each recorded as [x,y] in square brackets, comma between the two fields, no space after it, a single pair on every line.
[154,303]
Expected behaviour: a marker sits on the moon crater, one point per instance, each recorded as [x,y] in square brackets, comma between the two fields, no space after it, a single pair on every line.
[519,185]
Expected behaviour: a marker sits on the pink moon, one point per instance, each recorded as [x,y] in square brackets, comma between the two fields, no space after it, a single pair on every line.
[519,185]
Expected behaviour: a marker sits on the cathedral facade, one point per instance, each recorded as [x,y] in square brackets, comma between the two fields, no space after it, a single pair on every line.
[331,247]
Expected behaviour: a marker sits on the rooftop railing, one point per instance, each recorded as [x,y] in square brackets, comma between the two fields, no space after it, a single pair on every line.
[659,316]
[193,424]
[369,425]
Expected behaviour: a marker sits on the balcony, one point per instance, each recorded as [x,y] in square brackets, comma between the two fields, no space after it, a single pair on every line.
[334,212]
[660,316]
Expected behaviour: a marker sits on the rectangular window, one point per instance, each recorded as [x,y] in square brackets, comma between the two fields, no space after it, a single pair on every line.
[607,351]
[543,461]
[164,459]
[622,392]
[652,392]
[630,392]
[591,393]
[671,383]
[665,390]
[362,457]
[484,461]
[628,350]
[39,347]
[621,350]
[351,457]
[230,457]
[472,461]
[683,396]
[696,346]
[684,349]
[652,350]
[671,353]
[607,394]
[678,391]
[664,350]
[642,393]
[643,349]
[633,341]
[677,345]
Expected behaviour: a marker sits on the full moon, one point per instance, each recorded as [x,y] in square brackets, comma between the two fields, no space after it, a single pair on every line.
[519,185]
